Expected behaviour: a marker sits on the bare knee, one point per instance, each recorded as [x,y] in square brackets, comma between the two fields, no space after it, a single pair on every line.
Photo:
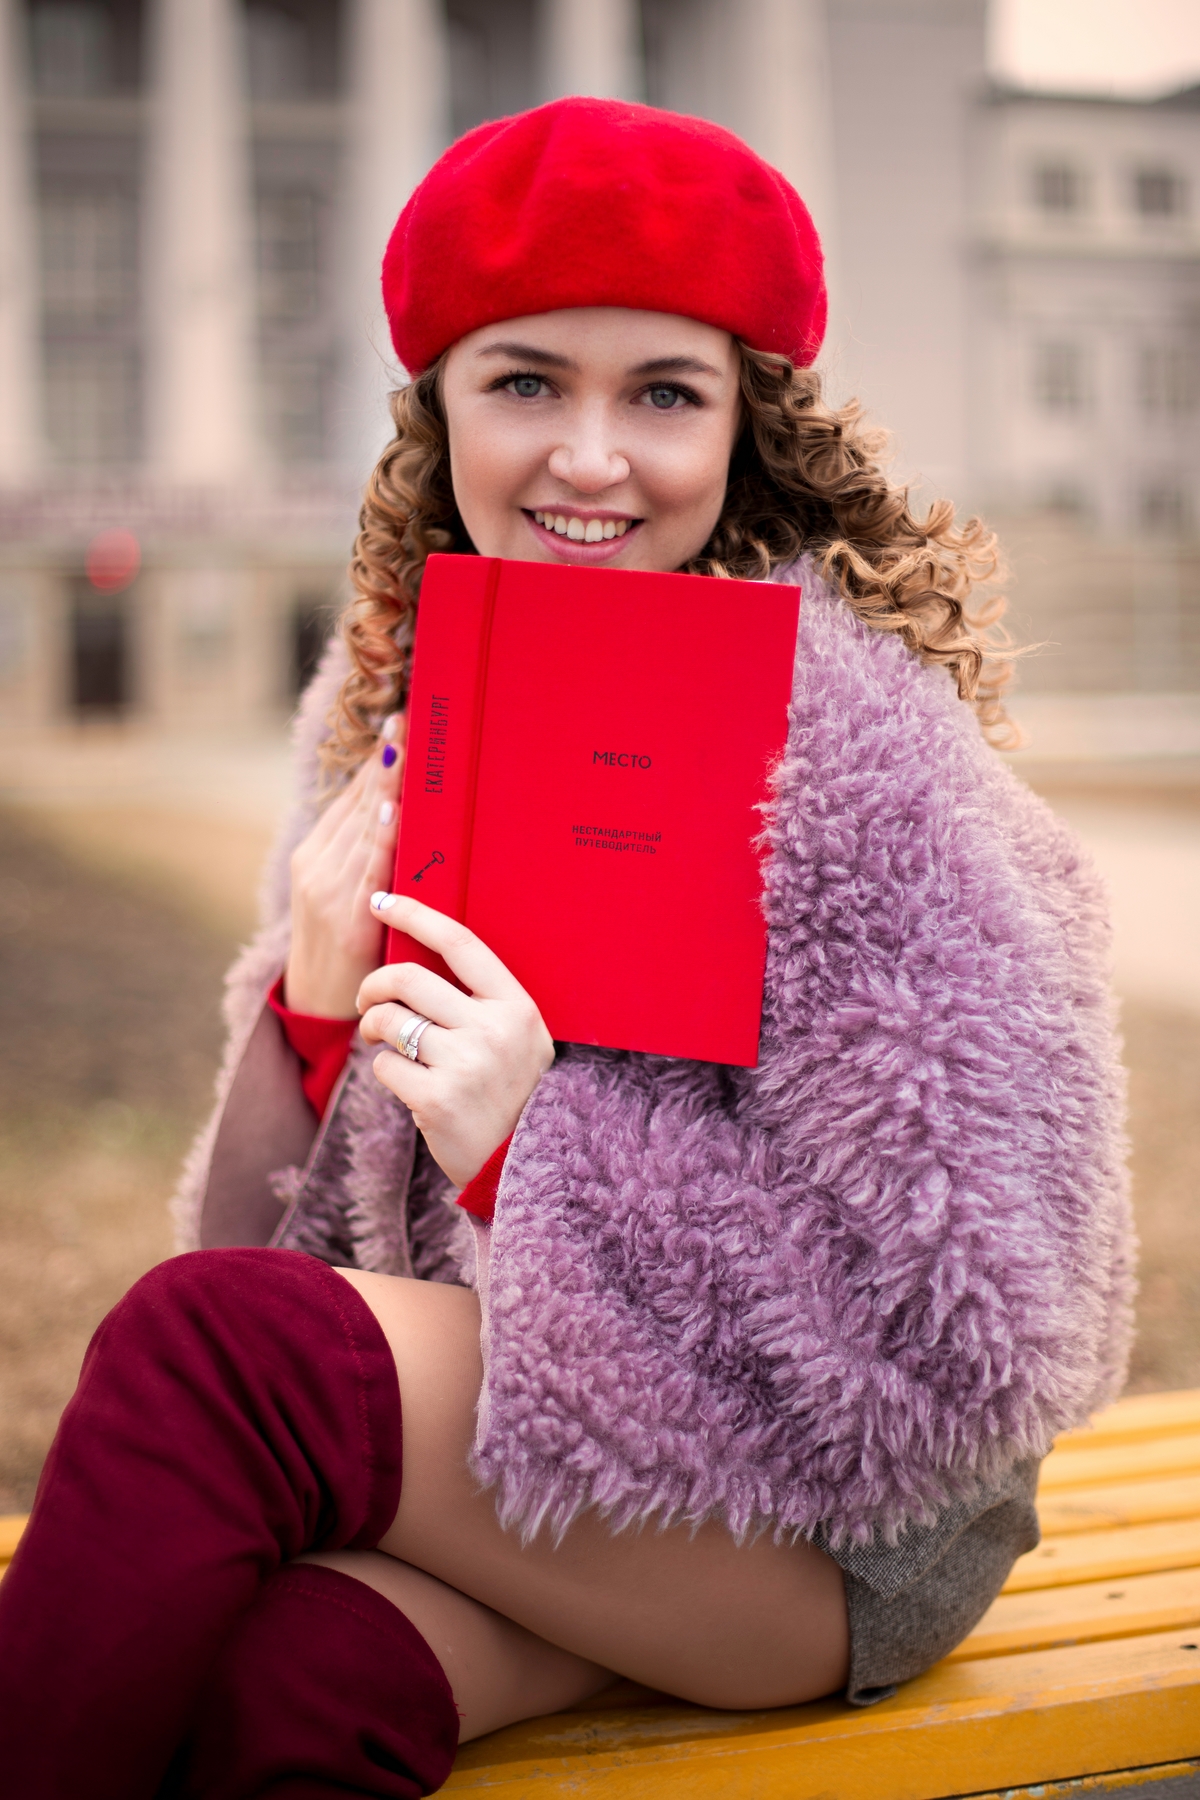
[498,1672]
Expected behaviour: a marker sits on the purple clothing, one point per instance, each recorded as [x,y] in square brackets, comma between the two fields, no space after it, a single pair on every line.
[856,1283]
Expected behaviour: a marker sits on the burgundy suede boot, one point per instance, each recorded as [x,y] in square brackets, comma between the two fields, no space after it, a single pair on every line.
[325,1688]
[236,1408]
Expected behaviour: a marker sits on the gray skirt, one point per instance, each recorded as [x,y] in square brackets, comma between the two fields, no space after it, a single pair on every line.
[911,1603]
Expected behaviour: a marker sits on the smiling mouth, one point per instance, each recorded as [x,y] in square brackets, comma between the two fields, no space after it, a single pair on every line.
[583,531]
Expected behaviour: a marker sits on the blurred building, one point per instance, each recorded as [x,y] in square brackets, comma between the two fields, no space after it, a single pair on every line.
[1085,409]
[194,195]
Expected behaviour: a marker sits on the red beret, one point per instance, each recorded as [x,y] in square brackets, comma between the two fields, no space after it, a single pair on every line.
[603,203]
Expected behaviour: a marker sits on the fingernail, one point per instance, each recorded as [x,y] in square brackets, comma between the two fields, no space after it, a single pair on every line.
[387,813]
[382,900]
[388,731]
[389,755]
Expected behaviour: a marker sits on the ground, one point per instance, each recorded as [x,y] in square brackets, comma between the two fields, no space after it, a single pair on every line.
[109,1035]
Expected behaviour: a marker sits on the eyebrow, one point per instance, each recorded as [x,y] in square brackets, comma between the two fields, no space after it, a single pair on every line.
[657,365]
[675,365]
[528,353]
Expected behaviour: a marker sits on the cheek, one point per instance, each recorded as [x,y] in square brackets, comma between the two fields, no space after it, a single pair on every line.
[488,468]
[690,475]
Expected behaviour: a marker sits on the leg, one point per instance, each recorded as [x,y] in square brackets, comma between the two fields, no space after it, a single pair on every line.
[235,1409]
[324,1688]
[688,1613]
[498,1671]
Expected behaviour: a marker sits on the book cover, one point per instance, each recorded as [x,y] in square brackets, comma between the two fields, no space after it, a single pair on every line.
[588,752]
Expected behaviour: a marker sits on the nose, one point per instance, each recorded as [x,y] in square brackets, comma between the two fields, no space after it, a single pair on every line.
[587,460]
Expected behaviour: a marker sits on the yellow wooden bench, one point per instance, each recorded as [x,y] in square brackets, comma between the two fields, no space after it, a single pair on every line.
[1082,1679]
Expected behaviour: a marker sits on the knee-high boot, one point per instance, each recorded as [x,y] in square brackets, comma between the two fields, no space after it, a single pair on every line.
[325,1688]
[236,1408]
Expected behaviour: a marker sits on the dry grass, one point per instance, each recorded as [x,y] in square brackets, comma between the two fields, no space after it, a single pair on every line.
[109,1034]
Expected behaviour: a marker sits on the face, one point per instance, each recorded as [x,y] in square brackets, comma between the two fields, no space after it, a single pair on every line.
[594,435]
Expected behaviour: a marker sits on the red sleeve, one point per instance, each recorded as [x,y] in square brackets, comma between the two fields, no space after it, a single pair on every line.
[479,1195]
[321,1044]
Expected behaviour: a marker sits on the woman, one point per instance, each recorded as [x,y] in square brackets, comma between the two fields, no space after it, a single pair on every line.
[815,1322]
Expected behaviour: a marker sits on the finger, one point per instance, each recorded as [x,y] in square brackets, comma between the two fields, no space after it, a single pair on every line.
[407,1080]
[383,841]
[384,1024]
[373,789]
[330,821]
[421,990]
[381,862]
[477,967]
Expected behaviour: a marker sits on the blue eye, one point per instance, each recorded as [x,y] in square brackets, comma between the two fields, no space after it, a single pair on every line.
[663,397]
[526,387]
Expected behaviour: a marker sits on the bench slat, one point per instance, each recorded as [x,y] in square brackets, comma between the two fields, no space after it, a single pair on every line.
[1085,1613]
[1124,1503]
[1165,1781]
[1139,1460]
[11,1527]
[1138,1416]
[965,1727]
[1103,1555]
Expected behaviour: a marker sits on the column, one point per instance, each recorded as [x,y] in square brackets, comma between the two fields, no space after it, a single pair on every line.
[397,125]
[20,348]
[908,77]
[761,68]
[776,63]
[201,369]
[593,47]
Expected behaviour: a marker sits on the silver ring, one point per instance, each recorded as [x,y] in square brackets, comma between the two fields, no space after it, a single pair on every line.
[409,1035]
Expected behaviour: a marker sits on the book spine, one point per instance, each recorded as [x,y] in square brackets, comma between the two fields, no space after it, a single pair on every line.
[445,717]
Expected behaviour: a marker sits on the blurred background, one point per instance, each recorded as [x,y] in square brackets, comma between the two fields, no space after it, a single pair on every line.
[194,196]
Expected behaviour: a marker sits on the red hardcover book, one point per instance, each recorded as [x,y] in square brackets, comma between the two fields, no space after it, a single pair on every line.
[588,750]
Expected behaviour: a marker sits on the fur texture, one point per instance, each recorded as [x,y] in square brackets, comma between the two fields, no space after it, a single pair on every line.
[861,1282]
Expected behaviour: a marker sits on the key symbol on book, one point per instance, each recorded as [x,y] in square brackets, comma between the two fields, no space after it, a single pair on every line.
[434,860]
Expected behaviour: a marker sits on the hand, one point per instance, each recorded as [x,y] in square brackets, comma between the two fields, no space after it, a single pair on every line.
[348,854]
[482,1056]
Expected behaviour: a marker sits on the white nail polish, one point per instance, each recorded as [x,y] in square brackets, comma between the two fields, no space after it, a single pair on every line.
[382,900]
[388,731]
[387,813]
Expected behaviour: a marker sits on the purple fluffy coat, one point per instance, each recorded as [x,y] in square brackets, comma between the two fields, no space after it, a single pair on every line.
[860,1280]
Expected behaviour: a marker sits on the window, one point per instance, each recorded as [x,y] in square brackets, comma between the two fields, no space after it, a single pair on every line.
[72,47]
[288,255]
[89,320]
[1167,380]
[1066,498]
[91,402]
[1159,194]
[1058,188]
[292,49]
[1060,382]
[277,54]
[88,255]
[492,49]
[294,407]
[1163,506]
[100,651]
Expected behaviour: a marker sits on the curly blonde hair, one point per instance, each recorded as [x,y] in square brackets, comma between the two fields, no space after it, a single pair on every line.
[804,477]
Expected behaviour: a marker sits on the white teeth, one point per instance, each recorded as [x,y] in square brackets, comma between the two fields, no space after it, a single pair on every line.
[593,532]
